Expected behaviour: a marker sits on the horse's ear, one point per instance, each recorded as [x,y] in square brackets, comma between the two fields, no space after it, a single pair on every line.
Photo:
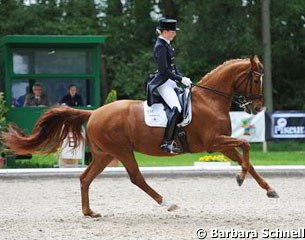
[254,60]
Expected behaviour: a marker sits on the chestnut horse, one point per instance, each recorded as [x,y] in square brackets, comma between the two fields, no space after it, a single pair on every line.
[116,130]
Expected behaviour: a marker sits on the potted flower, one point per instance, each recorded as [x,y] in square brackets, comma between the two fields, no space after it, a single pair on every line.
[3,110]
[212,160]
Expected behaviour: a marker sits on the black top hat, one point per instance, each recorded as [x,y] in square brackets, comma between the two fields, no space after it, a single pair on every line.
[168,24]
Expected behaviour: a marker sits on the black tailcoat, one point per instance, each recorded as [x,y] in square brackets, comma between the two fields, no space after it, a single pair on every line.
[164,55]
[72,101]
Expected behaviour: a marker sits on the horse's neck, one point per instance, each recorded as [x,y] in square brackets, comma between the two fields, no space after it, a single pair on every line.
[203,99]
[224,76]
[215,92]
[218,87]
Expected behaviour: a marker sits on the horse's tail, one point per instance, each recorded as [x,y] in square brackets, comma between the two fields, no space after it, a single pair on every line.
[49,132]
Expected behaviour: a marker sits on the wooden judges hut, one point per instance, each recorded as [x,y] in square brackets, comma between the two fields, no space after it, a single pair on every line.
[55,62]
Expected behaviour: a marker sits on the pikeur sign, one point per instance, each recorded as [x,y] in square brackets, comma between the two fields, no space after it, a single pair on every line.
[288,125]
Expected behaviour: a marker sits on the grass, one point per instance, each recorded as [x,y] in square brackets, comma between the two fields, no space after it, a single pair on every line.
[280,153]
[278,158]
[37,161]
[257,158]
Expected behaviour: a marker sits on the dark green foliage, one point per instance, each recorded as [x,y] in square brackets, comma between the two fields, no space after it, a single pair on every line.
[49,17]
[111,97]
[80,17]
[130,76]
[288,51]
[212,31]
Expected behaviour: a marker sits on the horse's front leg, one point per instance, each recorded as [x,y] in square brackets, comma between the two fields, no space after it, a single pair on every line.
[236,156]
[225,143]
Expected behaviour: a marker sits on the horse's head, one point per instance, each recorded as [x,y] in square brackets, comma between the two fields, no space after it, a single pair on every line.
[250,86]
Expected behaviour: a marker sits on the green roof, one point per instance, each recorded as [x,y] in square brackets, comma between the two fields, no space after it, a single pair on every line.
[55,39]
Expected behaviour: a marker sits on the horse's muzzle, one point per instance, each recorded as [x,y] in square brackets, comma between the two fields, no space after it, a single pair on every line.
[253,109]
[258,109]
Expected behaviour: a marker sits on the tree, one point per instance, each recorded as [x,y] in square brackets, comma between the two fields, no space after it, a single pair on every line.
[80,17]
[144,26]
[213,33]
[169,8]
[11,14]
[288,54]
[130,30]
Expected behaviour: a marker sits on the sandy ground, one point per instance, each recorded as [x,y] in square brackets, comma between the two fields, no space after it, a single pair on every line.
[50,208]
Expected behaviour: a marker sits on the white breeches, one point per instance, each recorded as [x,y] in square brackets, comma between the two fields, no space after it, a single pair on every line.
[167,92]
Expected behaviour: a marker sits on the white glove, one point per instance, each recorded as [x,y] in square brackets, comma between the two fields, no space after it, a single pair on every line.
[186,81]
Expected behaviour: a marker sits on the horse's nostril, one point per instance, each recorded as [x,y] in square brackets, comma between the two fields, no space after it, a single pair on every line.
[257,109]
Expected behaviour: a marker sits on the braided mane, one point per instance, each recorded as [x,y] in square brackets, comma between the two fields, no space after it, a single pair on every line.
[221,66]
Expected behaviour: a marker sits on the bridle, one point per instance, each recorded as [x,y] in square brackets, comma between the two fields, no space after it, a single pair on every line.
[246,100]
[242,100]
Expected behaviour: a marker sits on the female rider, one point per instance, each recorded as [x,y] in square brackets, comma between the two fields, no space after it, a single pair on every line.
[165,80]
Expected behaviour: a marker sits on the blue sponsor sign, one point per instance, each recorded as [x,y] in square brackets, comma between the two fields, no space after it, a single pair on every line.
[288,125]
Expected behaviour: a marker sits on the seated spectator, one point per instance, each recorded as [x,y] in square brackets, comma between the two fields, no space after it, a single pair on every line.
[72,99]
[19,102]
[37,98]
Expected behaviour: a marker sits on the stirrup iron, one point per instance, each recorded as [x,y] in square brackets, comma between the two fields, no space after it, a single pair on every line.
[171,148]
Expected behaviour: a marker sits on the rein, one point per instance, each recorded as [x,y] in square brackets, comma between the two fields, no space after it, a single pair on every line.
[240,99]
[213,90]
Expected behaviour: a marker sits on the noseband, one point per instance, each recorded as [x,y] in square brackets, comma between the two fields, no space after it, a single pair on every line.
[242,100]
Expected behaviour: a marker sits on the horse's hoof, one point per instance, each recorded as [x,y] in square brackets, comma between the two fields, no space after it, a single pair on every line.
[239,180]
[272,194]
[172,208]
[96,215]
[169,206]
[93,214]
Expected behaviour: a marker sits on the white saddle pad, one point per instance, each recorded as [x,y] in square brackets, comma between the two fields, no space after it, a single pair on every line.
[155,116]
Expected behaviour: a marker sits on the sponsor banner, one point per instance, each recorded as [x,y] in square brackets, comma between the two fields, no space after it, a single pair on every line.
[248,127]
[288,125]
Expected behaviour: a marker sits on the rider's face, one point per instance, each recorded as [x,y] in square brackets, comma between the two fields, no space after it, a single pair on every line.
[169,35]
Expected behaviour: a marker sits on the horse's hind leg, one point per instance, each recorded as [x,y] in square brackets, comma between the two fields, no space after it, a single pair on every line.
[131,165]
[98,164]
[236,156]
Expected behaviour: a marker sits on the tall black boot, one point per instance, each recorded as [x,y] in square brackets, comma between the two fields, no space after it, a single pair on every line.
[168,144]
